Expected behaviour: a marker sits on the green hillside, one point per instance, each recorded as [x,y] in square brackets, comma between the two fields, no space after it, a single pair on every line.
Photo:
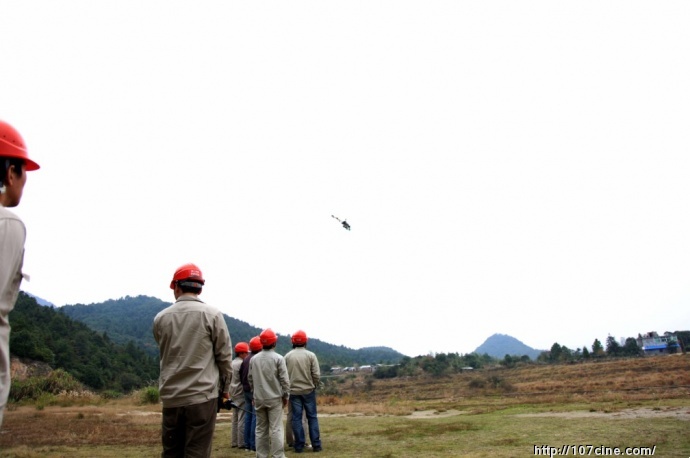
[46,334]
[130,319]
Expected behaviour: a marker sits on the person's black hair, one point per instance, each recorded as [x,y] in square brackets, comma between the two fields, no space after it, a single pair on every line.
[6,163]
[187,288]
[298,345]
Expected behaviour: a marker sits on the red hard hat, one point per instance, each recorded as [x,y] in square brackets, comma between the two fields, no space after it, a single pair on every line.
[268,337]
[242,347]
[299,338]
[187,272]
[12,145]
[255,344]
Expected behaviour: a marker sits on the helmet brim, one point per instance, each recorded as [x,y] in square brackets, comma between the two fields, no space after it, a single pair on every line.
[30,165]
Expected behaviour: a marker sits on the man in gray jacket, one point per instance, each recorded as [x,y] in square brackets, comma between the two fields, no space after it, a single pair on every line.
[305,375]
[270,385]
[237,396]
[195,353]
[14,163]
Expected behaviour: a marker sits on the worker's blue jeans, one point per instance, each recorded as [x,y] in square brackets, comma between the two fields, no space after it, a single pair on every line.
[249,422]
[308,403]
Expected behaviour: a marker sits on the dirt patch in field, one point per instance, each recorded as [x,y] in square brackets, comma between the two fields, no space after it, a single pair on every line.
[434,414]
[139,413]
[681,413]
[416,414]
[342,415]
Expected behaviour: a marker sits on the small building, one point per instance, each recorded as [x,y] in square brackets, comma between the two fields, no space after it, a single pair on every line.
[654,344]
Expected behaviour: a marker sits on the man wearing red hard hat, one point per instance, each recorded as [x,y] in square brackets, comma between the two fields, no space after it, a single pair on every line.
[268,377]
[14,163]
[237,396]
[255,347]
[195,353]
[305,377]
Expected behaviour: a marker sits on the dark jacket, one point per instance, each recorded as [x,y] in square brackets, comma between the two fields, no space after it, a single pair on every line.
[244,373]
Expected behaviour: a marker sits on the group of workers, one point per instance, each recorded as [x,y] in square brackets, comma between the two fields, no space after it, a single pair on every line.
[196,357]
[196,360]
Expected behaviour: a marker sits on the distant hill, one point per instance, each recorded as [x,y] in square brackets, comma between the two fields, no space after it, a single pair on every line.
[41,333]
[40,301]
[500,345]
[131,318]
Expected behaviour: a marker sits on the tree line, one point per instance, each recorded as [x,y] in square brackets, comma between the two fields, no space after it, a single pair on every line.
[612,349]
[44,334]
[443,364]
[561,353]
[439,364]
[115,351]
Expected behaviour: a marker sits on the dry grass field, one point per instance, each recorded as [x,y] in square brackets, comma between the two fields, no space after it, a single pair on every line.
[493,412]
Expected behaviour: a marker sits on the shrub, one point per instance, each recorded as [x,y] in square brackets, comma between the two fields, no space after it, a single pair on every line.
[33,388]
[476,383]
[386,372]
[150,395]
[59,381]
[368,383]
[45,399]
[499,383]
[493,381]
[111,394]
[330,388]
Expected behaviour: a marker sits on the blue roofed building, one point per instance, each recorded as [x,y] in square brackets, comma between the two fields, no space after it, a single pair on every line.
[654,344]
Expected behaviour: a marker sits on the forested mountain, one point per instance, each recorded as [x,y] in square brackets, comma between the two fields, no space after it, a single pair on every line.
[45,334]
[500,345]
[131,319]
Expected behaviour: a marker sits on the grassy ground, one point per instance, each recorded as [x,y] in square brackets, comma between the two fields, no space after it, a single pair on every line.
[487,413]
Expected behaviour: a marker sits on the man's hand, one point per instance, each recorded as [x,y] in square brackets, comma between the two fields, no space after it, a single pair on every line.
[285,401]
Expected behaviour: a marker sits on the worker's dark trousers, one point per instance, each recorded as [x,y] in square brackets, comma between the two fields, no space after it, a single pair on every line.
[188,430]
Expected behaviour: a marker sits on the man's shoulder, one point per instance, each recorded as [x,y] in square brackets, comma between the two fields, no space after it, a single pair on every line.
[311,355]
[272,354]
[189,306]
[162,312]
[260,355]
[300,352]
[8,215]
[189,303]
[261,358]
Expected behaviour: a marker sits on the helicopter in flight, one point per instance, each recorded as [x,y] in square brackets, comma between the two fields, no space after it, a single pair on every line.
[344,222]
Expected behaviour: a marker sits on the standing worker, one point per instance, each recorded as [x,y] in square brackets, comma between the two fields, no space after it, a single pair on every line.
[270,384]
[237,396]
[250,416]
[14,163]
[305,375]
[195,352]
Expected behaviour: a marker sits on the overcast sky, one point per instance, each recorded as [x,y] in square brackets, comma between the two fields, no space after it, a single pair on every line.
[514,167]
